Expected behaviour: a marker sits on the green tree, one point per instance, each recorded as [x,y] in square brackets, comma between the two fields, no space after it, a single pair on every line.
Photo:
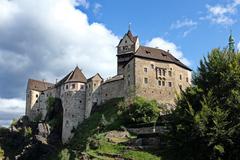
[206,124]
[1,154]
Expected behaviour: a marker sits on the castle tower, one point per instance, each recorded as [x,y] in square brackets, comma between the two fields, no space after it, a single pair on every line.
[126,48]
[231,44]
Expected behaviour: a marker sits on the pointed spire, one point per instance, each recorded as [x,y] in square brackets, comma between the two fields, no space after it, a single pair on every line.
[231,44]
[129,26]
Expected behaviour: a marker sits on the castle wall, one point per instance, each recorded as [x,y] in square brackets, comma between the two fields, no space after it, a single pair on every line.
[154,84]
[73,112]
[112,89]
[129,79]
[92,94]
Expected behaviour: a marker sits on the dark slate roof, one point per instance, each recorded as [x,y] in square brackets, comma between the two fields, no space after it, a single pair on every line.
[158,54]
[130,36]
[39,85]
[115,78]
[76,76]
[89,79]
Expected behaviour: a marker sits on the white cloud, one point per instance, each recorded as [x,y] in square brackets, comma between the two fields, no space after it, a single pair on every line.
[83,3]
[222,14]
[46,40]
[96,8]
[166,45]
[183,23]
[13,105]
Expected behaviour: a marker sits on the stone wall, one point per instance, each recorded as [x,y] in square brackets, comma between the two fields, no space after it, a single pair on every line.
[112,89]
[160,80]
[73,112]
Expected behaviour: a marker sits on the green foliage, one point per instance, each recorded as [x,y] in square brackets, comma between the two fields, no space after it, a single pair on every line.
[27,132]
[64,155]
[1,153]
[108,150]
[205,124]
[106,118]
[140,110]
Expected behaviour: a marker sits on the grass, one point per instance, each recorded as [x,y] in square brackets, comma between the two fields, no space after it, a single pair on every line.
[111,150]
[92,125]
[93,129]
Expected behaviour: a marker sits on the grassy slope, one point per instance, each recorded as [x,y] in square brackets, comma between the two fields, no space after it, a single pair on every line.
[92,129]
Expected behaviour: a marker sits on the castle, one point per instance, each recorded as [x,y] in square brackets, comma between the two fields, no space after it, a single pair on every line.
[142,71]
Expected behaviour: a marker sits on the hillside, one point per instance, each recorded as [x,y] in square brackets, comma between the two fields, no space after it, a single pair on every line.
[102,136]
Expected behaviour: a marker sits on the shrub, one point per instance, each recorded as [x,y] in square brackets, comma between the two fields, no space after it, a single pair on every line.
[64,155]
[140,110]
[1,154]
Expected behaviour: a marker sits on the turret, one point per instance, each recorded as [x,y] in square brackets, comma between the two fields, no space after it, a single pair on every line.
[126,48]
[231,44]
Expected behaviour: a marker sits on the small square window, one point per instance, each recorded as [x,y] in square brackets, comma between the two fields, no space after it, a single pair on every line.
[66,86]
[152,65]
[187,79]
[164,72]
[170,84]
[163,83]
[180,77]
[73,86]
[36,95]
[170,73]
[126,41]
[145,70]
[82,86]
[145,80]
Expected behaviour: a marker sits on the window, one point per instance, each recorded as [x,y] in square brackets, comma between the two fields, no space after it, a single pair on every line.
[160,72]
[36,101]
[152,66]
[82,86]
[73,86]
[145,80]
[180,86]
[94,84]
[80,101]
[66,86]
[164,72]
[145,70]
[170,73]
[170,84]
[180,77]
[106,94]
[125,48]
[159,83]
[126,41]
[163,83]
[187,79]
[36,95]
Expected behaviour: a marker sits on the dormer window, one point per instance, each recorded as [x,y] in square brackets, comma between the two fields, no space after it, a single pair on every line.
[125,48]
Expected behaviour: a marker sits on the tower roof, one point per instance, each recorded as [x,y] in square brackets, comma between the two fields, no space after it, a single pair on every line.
[76,76]
[131,37]
[38,85]
[231,44]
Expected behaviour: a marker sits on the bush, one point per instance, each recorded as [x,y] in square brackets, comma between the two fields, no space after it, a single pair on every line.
[64,155]
[1,154]
[140,110]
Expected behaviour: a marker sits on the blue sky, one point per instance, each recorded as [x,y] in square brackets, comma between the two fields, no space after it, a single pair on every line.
[46,39]
[156,18]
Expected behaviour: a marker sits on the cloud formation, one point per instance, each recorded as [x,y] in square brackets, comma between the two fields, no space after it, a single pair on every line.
[46,40]
[166,45]
[222,14]
[187,25]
